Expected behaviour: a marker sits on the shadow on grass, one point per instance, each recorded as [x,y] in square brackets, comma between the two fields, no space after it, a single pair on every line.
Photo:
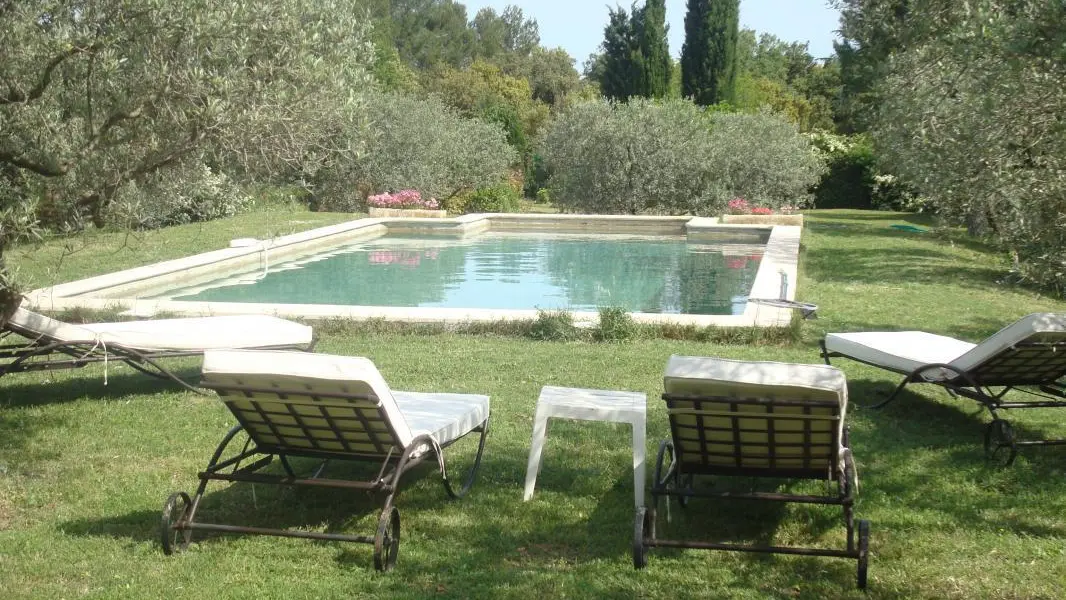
[353,512]
[28,390]
[925,432]
[895,264]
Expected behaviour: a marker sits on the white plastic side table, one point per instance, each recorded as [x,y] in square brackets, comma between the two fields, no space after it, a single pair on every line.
[589,405]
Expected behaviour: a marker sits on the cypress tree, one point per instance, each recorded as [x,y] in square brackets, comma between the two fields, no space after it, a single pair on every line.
[654,50]
[709,55]
[621,64]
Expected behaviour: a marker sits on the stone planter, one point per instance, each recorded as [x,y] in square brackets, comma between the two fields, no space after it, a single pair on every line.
[763,220]
[417,213]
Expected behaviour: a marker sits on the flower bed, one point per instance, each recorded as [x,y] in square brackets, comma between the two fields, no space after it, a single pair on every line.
[404,203]
[740,212]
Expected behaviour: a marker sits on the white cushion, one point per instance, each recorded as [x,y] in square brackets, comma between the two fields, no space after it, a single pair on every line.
[750,379]
[906,351]
[900,351]
[445,417]
[193,334]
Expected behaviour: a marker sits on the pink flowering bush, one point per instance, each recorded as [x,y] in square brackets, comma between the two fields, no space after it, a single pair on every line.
[402,199]
[738,206]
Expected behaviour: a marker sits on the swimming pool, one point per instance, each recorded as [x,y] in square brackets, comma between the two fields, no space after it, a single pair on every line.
[168,287]
[505,270]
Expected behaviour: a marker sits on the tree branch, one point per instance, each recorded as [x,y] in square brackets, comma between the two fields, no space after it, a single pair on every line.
[44,170]
[17,96]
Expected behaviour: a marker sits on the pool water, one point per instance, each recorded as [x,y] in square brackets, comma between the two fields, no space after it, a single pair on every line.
[651,274]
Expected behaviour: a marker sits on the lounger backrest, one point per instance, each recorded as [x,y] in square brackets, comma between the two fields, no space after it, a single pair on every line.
[1030,351]
[736,417]
[298,402]
[35,325]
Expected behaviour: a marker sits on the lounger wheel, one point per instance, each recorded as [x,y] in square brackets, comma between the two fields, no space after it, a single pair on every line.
[174,512]
[387,540]
[1000,445]
[663,471]
[643,529]
[864,552]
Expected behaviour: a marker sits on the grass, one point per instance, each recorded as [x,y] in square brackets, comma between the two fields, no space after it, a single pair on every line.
[97,251]
[85,468]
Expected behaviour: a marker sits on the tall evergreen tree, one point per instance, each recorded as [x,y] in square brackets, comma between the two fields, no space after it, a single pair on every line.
[709,55]
[621,56]
[655,61]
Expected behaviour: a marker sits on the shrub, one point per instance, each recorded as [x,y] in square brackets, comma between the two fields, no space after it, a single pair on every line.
[499,198]
[672,157]
[616,324]
[420,144]
[536,173]
[188,194]
[640,156]
[849,178]
[761,157]
[738,206]
[556,325]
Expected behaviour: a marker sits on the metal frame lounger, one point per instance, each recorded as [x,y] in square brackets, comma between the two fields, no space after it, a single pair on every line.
[299,405]
[50,344]
[1027,356]
[754,419]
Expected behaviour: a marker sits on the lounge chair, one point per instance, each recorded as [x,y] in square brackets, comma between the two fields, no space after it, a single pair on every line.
[1028,356]
[333,408]
[52,344]
[753,419]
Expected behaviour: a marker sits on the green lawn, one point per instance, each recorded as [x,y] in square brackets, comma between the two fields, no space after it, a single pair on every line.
[85,467]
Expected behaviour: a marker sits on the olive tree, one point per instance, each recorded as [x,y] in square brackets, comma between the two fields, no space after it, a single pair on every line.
[972,118]
[629,158]
[674,157]
[95,96]
[422,144]
[763,158]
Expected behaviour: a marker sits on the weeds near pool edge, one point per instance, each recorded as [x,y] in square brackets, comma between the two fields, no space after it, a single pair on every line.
[559,326]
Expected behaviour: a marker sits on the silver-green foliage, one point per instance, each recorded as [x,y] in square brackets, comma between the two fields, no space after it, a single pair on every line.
[96,96]
[973,119]
[177,197]
[422,144]
[673,157]
[634,157]
[763,158]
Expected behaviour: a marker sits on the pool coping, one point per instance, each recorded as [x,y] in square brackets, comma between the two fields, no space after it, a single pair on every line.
[780,262]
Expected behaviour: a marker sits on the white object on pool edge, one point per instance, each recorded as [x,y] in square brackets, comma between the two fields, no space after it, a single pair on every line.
[243,242]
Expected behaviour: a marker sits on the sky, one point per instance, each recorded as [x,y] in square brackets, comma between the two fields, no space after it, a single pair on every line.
[577,25]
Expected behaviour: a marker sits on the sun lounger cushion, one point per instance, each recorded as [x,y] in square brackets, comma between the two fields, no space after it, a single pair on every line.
[900,351]
[708,428]
[188,334]
[906,351]
[748,379]
[444,416]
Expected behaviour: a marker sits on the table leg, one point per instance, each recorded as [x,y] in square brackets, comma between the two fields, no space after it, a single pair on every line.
[639,446]
[536,452]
